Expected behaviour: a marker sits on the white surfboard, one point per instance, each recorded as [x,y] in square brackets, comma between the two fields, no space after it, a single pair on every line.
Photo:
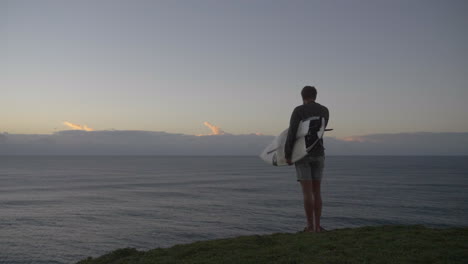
[309,133]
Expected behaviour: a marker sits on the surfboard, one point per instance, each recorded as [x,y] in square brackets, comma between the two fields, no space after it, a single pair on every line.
[309,133]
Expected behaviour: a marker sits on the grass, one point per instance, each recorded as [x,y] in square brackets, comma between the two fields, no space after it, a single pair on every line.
[381,244]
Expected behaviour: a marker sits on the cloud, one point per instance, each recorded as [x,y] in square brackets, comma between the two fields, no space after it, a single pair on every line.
[77,127]
[354,139]
[215,130]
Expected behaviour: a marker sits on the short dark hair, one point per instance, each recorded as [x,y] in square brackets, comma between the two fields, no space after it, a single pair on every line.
[309,92]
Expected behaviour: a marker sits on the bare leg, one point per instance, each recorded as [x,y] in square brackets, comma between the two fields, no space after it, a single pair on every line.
[317,204]
[308,203]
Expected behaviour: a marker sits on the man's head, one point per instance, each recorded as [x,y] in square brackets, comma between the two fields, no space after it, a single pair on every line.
[309,94]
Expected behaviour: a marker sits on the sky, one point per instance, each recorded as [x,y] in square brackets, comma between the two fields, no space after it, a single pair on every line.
[379,66]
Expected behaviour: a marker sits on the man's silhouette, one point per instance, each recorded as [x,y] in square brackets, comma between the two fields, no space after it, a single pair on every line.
[309,169]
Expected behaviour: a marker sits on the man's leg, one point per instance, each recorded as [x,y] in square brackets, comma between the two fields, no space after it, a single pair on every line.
[317,204]
[308,203]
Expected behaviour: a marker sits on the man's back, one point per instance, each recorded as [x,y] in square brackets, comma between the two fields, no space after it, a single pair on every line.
[303,112]
[309,170]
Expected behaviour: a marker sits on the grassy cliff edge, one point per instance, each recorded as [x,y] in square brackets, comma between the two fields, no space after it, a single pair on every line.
[379,244]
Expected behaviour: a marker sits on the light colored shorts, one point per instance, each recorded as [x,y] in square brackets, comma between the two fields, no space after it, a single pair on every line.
[310,168]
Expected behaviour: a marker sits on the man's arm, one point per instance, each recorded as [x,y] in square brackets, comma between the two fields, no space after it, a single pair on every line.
[293,124]
[327,116]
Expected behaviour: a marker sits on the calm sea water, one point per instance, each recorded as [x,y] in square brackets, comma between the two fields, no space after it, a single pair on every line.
[63,209]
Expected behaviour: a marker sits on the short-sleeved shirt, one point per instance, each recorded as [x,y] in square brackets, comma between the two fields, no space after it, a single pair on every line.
[303,112]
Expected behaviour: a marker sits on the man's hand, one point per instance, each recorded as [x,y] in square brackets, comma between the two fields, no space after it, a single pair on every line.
[289,162]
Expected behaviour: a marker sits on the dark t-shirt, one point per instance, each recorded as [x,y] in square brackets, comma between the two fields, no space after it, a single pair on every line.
[300,113]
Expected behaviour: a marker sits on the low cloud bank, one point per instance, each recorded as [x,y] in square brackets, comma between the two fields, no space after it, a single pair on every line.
[421,143]
[130,142]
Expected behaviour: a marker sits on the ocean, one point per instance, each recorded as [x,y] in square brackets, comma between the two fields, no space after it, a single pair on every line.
[62,209]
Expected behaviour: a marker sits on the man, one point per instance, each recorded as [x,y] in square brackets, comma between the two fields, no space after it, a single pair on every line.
[309,169]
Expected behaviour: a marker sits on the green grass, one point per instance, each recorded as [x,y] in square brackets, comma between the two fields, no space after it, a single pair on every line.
[382,244]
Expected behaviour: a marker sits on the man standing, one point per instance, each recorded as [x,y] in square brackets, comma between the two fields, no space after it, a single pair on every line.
[309,169]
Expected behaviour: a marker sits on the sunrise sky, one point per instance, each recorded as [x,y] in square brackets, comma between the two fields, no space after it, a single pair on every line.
[379,66]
